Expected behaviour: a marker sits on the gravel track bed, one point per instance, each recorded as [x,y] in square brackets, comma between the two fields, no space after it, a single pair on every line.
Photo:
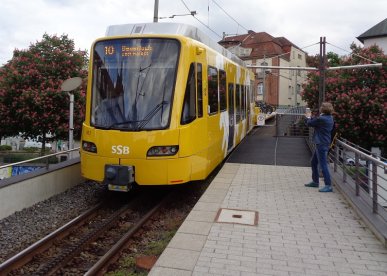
[23,228]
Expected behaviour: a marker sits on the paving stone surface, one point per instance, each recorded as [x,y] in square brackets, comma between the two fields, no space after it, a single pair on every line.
[299,232]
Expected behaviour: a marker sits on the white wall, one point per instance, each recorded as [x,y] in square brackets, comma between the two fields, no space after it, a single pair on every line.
[26,193]
[381,42]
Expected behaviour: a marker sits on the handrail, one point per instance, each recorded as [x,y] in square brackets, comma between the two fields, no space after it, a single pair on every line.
[364,184]
[361,153]
[40,157]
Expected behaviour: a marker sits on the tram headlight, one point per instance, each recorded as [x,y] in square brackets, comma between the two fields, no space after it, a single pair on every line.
[89,146]
[162,151]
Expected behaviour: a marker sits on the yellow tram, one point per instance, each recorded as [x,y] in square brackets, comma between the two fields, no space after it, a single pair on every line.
[165,105]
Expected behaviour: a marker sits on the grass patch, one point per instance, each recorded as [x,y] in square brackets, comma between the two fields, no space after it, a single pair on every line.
[127,267]
[150,243]
[156,247]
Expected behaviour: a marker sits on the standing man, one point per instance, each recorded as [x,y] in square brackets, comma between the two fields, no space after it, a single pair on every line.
[323,126]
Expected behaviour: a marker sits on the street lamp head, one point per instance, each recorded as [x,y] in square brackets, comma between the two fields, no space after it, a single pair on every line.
[68,86]
[71,84]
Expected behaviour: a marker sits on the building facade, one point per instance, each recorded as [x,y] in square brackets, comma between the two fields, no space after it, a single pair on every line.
[377,35]
[278,87]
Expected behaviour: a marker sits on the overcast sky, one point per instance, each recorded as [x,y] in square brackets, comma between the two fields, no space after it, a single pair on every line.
[302,22]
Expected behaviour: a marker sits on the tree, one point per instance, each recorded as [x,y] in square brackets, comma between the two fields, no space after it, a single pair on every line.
[358,96]
[31,101]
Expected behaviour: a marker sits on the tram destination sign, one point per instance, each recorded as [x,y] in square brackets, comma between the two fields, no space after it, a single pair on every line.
[129,51]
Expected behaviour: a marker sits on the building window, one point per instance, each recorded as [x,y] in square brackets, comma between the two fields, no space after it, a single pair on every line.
[260,88]
[298,88]
[299,56]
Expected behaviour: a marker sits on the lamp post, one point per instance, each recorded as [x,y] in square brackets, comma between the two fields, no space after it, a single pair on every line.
[68,86]
[264,72]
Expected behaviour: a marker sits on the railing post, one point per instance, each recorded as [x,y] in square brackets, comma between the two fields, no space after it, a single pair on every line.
[357,179]
[344,165]
[374,185]
[336,156]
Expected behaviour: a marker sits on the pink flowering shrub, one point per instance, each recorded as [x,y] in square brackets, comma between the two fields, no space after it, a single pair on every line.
[31,100]
[358,96]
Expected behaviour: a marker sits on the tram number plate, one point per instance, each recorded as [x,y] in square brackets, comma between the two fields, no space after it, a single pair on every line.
[118,188]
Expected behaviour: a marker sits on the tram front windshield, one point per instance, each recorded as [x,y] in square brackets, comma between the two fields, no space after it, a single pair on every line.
[133,82]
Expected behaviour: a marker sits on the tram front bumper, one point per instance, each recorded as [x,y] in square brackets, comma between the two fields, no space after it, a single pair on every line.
[146,171]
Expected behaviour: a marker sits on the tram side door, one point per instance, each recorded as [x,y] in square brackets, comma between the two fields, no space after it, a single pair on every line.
[231,116]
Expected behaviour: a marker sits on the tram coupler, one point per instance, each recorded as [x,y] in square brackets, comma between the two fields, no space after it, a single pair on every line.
[119,178]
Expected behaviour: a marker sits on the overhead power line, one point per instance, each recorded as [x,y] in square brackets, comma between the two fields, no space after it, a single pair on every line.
[229,15]
[351,53]
[205,25]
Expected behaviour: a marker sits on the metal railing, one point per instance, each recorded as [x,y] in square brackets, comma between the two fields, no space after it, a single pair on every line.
[361,176]
[365,169]
[290,121]
[69,154]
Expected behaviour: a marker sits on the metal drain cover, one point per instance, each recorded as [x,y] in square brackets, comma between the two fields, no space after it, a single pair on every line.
[237,216]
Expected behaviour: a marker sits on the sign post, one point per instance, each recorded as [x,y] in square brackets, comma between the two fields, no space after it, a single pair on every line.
[261,119]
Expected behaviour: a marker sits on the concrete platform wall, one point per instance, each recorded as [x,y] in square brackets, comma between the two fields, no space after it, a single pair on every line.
[23,191]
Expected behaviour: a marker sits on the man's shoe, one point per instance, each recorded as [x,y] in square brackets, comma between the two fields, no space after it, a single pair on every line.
[326,189]
[312,184]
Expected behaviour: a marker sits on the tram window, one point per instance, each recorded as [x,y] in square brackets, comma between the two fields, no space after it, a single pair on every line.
[222,90]
[243,95]
[231,100]
[238,103]
[212,90]
[199,83]
[189,104]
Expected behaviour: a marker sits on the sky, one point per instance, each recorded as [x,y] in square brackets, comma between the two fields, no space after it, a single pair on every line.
[302,22]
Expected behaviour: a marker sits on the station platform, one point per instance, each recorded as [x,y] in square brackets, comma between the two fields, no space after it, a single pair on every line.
[257,218]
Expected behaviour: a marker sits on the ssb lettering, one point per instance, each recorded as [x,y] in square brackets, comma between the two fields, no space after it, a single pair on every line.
[120,149]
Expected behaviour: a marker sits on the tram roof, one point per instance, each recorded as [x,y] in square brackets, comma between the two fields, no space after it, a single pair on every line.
[172,29]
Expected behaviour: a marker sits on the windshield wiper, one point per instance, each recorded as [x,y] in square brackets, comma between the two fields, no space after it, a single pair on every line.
[150,115]
[121,123]
[146,67]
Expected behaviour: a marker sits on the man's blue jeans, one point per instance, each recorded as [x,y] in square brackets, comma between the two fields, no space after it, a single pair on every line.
[320,157]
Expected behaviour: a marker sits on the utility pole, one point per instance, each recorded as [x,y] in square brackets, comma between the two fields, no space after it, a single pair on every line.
[295,89]
[322,68]
[156,11]
[264,79]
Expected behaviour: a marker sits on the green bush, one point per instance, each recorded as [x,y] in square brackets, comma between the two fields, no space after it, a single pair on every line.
[32,149]
[13,158]
[5,147]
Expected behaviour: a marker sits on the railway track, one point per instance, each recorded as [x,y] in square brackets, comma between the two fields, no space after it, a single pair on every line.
[87,244]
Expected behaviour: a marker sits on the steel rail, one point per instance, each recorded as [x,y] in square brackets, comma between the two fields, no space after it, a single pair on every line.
[27,254]
[109,257]
[73,250]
